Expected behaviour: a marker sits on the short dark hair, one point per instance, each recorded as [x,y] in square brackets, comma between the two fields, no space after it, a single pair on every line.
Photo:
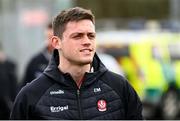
[72,14]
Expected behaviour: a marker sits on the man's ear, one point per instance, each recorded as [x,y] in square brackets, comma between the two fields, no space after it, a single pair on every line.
[56,42]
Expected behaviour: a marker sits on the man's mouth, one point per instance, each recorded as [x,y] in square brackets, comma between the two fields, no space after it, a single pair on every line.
[86,50]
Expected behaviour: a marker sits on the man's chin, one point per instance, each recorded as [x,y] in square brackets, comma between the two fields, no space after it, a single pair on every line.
[86,62]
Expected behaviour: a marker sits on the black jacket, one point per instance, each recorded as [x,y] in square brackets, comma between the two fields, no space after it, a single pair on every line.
[54,95]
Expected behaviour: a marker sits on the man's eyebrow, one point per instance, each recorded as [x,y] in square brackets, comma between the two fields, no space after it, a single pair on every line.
[76,33]
[92,33]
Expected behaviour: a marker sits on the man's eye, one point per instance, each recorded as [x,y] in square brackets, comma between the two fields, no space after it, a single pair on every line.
[77,37]
[91,36]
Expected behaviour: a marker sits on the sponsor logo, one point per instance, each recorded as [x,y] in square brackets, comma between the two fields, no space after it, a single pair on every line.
[56,92]
[102,106]
[58,109]
[97,89]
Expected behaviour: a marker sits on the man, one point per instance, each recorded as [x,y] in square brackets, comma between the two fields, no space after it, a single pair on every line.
[76,84]
[40,61]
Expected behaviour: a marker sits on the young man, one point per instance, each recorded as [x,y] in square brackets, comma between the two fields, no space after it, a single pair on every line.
[76,84]
[40,61]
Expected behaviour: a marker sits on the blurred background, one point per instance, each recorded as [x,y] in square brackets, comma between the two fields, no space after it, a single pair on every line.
[142,35]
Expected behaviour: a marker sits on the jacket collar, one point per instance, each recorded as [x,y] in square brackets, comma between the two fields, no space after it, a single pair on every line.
[55,74]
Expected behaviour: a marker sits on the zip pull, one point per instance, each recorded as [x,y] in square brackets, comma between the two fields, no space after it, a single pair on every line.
[78,92]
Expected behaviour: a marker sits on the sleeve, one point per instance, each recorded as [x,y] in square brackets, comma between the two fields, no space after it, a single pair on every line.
[20,107]
[24,106]
[133,104]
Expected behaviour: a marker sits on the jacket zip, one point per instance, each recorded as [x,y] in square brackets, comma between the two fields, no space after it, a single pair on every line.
[79,104]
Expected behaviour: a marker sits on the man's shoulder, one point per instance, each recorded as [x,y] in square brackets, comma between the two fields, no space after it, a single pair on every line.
[116,81]
[114,77]
[38,83]
[36,88]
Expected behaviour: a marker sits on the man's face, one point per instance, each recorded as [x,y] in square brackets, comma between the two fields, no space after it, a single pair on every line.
[78,42]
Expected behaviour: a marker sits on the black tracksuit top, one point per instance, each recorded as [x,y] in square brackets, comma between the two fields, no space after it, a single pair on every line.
[103,95]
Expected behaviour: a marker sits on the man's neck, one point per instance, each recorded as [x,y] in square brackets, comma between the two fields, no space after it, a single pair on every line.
[77,72]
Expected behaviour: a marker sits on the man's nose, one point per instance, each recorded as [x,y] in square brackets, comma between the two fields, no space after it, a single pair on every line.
[86,40]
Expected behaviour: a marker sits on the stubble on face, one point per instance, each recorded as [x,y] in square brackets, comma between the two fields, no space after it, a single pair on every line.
[78,43]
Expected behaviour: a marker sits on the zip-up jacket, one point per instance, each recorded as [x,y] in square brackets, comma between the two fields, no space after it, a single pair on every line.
[103,95]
